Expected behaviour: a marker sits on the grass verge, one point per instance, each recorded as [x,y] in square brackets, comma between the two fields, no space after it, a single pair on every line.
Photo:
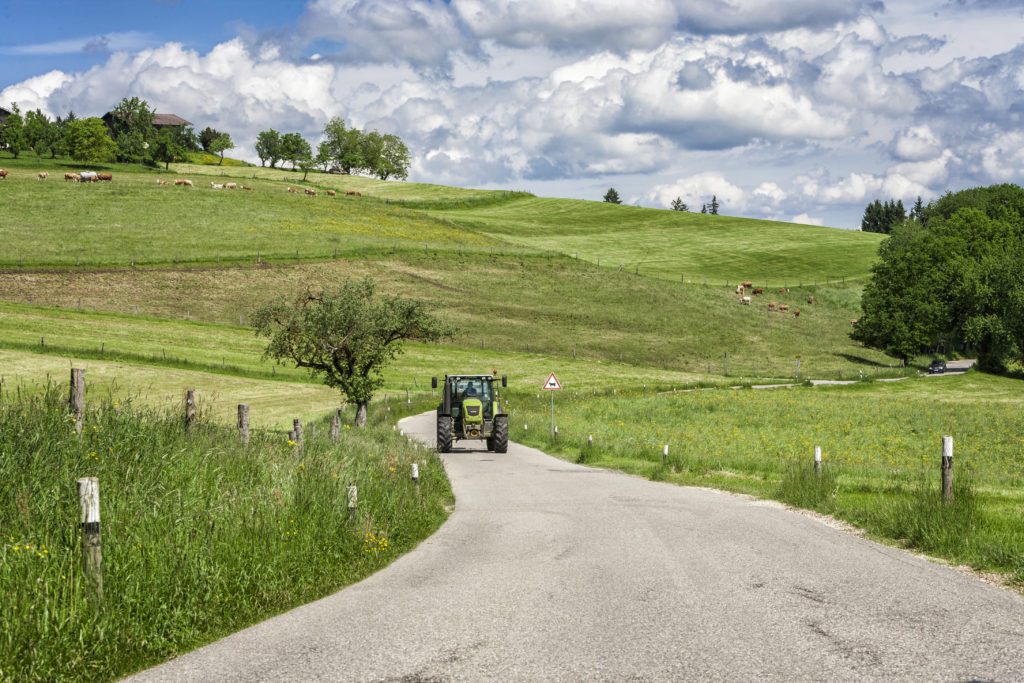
[201,536]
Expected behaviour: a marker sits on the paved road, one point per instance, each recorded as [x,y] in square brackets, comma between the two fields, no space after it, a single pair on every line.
[553,571]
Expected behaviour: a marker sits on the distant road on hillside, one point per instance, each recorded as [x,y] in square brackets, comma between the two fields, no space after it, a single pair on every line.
[553,571]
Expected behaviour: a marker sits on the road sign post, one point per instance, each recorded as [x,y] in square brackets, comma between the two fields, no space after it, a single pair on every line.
[552,385]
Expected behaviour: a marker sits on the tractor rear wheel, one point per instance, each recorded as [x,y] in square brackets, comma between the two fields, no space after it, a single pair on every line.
[500,435]
[444,434]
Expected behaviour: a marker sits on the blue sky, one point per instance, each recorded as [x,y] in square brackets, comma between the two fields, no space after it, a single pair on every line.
[800,110]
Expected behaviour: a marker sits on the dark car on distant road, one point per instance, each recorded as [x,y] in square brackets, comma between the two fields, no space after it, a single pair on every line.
[937,367]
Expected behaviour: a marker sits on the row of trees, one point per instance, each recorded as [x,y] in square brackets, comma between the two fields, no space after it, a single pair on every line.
[349,150]
[884,216]
[951,278]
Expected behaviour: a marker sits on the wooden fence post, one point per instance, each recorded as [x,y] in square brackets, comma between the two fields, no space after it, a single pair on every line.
[76,401]
[817,461]
[92,552]
[190,409]
[947,469]
[336,425]
[297,426]
[664,455]
[416,477]
[243,423]
[353,502]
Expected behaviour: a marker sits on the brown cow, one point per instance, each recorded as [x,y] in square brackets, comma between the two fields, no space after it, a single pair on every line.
[246,187]
[183,181]
[3,174]
[772,305]
[353,193]
[159,181]
[43,175]
[759,290]
[331,193]
[740,289]
[230,186]
[796,313]
[107,177]
[783,307]
[73,177]
[746,283]
[309,192]
[853,323]
[784,290]
[293,190]
[810,298]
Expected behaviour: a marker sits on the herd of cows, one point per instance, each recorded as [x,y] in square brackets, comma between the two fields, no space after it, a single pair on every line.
[94,177]
[746,299]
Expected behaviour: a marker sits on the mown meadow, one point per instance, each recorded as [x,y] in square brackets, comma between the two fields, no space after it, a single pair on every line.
[881,443]
[200,534]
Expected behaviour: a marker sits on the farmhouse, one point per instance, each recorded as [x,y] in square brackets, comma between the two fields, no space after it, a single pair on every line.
[4,114]
[159,120]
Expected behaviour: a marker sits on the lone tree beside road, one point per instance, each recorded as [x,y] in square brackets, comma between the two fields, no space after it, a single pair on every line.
[346,336]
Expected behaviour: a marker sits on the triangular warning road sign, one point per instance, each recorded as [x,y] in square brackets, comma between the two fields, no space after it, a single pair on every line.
[552,383]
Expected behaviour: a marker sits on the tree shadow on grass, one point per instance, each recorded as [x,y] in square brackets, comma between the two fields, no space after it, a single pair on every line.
[860,360]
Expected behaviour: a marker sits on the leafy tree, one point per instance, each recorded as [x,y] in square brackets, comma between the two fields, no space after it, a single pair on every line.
[713,206]
[59,146]
[956,282]
[88,141]
[207,136]
[38,134]
[344,145]
[346,336]
[323,157]
[679,205]
[172,143]
[12,132]
[394,158]
[221,144]
[612,196]
[131,127]
[295,148]
[268,147]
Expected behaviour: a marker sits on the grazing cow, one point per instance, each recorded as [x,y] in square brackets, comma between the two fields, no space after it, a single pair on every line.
[783,307]
[784,290]
[353,193]
[88,176]
[246,187]
[217,186]
[106,177]
[331,193]
[293,190]
[309,192]
[853,323]
[810,298]
[740,289]
[772,305]
[183,181]
[73,177]
[230,186]
[759,290]
[160,181]
[43,175]
[746,283]
[3,174]
[796,313]
[745,300]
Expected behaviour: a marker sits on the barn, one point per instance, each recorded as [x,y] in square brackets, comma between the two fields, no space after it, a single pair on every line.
[159,120]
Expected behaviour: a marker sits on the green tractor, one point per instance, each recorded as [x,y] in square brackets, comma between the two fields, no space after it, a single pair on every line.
[470,409]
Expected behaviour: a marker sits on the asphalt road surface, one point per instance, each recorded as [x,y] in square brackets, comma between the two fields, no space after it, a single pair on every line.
[549,571]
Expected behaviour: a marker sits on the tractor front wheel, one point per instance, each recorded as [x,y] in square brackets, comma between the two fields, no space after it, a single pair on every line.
[444,434]
[500,435]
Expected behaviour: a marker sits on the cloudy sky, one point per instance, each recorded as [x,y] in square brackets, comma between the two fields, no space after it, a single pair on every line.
[787,109]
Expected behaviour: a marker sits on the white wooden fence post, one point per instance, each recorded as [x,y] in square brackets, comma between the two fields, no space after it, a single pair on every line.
[92,552]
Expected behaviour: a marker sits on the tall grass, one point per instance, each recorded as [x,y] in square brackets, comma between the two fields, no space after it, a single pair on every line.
[201,536]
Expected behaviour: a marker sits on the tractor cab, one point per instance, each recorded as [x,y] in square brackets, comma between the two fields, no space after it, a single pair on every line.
[470,409]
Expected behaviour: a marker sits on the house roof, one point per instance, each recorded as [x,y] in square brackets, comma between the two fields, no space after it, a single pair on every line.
[4,113]
[169,120]
[159,119]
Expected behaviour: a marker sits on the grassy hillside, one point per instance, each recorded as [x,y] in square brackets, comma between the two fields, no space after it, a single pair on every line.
[672,245]
[508,304]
